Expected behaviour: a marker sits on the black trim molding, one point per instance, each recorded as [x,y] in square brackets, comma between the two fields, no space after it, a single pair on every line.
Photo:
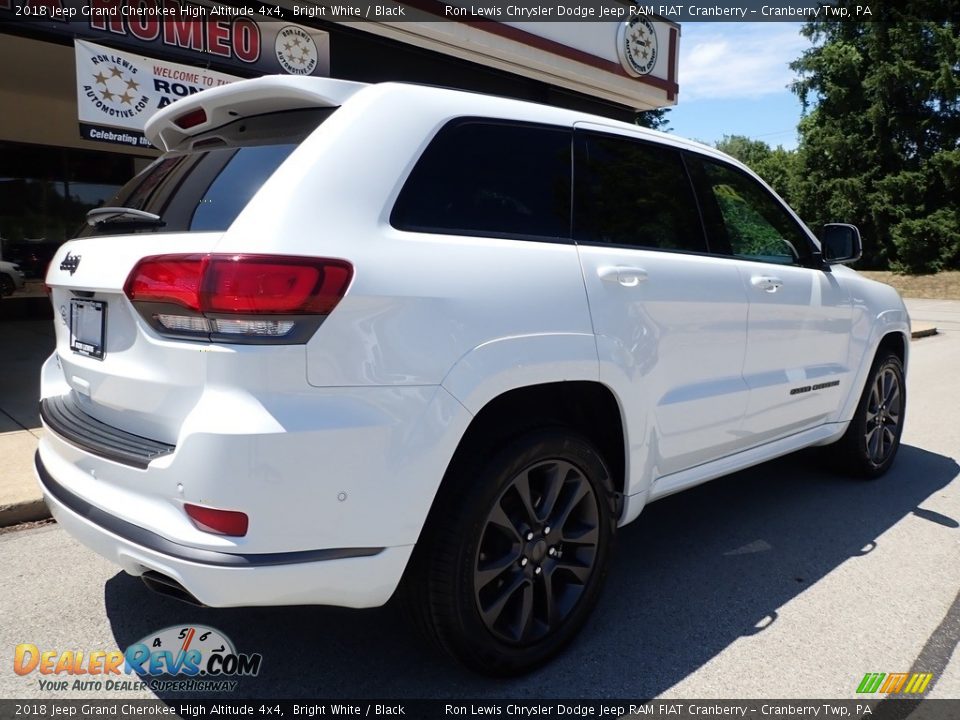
[151,541]
[64,416]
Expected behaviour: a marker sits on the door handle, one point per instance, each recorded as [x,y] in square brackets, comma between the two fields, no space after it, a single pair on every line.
[626,276]
[767,283]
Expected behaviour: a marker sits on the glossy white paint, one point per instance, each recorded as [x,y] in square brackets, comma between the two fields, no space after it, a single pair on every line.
[148,385]
[284,458]
[671,348]
[357,582]
[798,335]
[223,104]
[343,441]
[878,311]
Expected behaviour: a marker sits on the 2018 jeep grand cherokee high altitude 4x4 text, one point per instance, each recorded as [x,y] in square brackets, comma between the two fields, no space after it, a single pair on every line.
[341,336]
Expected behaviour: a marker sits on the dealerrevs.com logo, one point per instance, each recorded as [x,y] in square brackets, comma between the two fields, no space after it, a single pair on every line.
[191,658]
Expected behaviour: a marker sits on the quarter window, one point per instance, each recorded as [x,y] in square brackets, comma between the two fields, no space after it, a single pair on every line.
[747,217]
[490,179]
[206,188]
[634,193]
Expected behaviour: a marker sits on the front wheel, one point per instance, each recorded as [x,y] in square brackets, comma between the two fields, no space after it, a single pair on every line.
[870,444]
[515,553]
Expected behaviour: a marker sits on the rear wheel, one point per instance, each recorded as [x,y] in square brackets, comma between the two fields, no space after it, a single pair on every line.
[6,285]
[870,444]
[515,553]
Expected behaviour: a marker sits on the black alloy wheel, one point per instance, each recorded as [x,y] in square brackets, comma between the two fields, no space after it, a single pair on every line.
[870,444]
[883,412]
[537,552]
[514,552]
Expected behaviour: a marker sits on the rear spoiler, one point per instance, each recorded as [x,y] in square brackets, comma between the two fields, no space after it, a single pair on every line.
[196,114]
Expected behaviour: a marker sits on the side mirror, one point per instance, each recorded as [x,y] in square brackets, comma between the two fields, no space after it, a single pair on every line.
[840,243]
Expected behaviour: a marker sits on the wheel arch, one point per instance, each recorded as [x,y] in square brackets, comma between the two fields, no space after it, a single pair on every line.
[585,406]
[895,339]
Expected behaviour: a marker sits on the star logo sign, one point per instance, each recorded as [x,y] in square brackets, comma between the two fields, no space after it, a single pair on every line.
[296,51]
[637,46]
[115,88]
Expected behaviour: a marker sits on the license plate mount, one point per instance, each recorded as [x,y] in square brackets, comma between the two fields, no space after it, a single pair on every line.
[88,326]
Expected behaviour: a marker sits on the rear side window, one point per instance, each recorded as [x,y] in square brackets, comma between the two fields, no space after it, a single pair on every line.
[205,189]
[490,179]
[634,193]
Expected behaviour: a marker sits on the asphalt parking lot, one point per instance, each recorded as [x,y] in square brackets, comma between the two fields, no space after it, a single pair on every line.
[783,581]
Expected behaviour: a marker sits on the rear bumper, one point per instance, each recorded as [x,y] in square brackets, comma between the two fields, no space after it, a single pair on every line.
[349,577]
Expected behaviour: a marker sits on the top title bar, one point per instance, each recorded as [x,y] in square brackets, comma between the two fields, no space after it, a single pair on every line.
[458,10]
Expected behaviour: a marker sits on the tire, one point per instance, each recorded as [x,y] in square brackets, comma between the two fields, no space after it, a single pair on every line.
[503,585]
[6,285]
[870,444]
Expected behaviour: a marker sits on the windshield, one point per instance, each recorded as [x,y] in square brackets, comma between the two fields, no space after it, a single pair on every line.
[206,188]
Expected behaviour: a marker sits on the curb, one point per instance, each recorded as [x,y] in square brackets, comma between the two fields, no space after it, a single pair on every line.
[923,331]
[24,511]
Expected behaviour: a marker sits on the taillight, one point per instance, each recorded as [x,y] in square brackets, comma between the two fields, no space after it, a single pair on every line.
[237,298]
[167,279]
[222,522]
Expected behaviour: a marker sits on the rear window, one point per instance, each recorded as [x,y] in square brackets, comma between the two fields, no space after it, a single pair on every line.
[206,188]
[492,179]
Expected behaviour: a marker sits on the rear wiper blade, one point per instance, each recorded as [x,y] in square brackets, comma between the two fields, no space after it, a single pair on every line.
[99,216]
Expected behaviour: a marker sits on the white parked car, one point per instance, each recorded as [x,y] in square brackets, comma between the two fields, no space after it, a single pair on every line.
[11,278]
[345,338]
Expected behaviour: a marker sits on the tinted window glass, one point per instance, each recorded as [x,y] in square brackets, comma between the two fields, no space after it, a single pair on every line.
[750,219]
[206,189]
[492,179]
[45,193]
[236,184]
[634,193]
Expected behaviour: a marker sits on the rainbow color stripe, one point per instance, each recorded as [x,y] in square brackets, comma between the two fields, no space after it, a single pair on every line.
[892,683]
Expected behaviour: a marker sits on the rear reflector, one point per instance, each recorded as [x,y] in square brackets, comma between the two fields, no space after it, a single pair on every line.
[222,522]
[234,296]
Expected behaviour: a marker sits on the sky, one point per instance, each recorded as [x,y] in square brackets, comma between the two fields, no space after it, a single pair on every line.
[734,80]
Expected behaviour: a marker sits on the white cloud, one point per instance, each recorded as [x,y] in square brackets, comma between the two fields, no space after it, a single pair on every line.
[737,60]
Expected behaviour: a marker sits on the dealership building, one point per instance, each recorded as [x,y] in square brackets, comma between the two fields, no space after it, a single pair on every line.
[82,76]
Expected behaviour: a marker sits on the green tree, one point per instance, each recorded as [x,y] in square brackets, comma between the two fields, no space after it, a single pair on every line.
[881,130]
[777,166]
[751,153]
[656,119]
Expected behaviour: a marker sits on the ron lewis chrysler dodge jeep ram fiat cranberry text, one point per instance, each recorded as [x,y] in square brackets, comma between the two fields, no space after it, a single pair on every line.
[345,338]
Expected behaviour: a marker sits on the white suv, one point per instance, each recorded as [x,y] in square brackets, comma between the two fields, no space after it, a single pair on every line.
[343,335]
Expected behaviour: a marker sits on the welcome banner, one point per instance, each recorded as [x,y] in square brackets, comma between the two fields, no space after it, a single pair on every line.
[117,92]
